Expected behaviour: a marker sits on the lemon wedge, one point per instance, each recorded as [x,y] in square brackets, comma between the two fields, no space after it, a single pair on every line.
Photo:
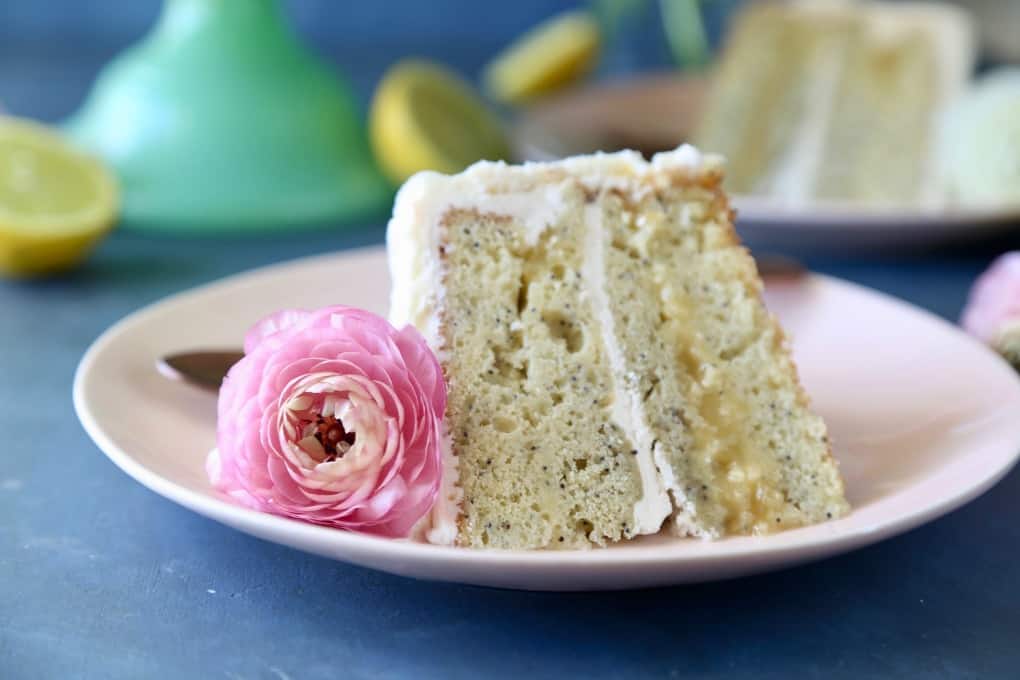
[556,53]
[424,117]
[55,202]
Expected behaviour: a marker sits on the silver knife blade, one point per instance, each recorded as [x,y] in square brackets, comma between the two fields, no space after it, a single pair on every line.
[205,369]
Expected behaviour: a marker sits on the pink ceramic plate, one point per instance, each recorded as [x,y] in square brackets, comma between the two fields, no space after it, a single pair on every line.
[924,419]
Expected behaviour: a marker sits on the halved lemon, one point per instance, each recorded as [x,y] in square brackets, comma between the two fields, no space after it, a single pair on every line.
[550,56]
[55,201]
[424,117]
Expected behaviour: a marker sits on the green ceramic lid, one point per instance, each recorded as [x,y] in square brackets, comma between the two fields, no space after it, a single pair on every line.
[220,120]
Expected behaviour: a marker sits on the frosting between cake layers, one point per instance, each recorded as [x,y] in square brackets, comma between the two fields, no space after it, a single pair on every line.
[627,411]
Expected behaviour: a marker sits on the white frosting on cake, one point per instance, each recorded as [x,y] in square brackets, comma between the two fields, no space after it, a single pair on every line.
[685,157]
[531,194]
[414,299]
[412,239]
[413,258]
[439,526]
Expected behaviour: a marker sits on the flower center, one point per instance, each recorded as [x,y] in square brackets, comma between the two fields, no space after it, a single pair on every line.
[334,439]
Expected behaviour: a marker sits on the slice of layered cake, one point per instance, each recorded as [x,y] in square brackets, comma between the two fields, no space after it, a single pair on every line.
[839,101]
[612,370]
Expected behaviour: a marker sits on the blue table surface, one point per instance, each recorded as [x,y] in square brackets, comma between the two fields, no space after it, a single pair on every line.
[101,578]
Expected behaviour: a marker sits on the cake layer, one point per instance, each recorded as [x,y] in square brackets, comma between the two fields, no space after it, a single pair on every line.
[609,360]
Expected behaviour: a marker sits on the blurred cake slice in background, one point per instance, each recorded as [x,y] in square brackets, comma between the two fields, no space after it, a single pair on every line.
[837,101]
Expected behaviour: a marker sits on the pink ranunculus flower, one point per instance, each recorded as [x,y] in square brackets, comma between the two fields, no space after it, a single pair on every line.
[995,298]
[992,312]
[333,417]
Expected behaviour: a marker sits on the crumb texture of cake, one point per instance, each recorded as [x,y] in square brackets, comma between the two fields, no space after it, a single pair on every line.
[837,100]
[611,367]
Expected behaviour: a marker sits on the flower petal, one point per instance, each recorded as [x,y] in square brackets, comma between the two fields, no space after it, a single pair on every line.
[306,369]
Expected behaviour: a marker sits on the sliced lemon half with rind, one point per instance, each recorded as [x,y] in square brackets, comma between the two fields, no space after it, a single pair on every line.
[549,57]
[425,117]
[56,202]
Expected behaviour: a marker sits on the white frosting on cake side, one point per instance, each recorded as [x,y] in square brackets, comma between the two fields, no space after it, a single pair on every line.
[628,412]
[440,525]
[412,246]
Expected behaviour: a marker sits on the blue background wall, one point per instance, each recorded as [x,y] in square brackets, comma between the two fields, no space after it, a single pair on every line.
[63,43]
